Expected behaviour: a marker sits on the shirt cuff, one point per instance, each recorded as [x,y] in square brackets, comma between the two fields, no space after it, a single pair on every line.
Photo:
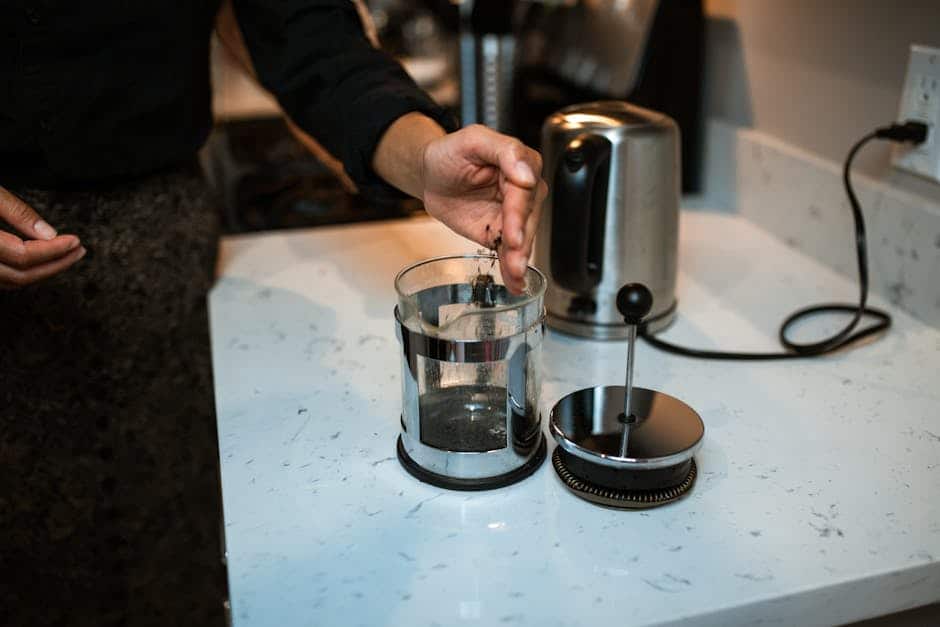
[385,106]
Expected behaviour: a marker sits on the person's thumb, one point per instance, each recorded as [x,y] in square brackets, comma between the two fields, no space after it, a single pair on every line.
[23,218]
[518,163]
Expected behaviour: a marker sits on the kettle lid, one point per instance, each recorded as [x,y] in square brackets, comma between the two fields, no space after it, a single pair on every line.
[607,114]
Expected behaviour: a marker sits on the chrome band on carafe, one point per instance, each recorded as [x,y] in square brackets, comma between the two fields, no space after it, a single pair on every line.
[519,348]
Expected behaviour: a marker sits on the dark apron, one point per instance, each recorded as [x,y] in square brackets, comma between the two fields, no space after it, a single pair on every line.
[110,504]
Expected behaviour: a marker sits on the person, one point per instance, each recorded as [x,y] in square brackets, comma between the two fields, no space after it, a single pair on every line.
[109,494]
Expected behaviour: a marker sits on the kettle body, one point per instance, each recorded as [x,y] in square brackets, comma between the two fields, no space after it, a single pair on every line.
[611,215]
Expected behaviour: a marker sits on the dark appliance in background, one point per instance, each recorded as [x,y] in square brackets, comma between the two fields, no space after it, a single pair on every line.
[487,62]
[647,52]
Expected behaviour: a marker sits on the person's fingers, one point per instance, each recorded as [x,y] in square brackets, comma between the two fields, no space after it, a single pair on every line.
[13,278]
[520,193]
[515,260]
[519,163]
[42,251]
[517,204]
[518,207]
[22,255]
[23,218]
[12,250]
[532,222]
[512,264]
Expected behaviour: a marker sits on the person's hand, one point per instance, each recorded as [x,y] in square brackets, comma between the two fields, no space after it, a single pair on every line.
[487,187]
[42,253]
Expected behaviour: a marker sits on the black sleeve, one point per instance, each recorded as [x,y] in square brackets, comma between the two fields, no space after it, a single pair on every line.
[313,55]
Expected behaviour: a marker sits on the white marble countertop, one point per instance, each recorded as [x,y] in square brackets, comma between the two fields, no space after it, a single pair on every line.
[818,500]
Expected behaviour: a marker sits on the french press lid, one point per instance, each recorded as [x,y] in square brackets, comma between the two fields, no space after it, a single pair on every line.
[623,446]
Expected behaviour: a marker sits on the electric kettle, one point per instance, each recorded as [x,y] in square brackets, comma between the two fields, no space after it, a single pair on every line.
[611,216]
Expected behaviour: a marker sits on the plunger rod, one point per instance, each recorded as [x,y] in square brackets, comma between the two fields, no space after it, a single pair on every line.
[634,301]
[628,391]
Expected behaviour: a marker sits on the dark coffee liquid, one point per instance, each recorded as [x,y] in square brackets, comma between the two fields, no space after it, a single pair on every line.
[472,418]
[468,418]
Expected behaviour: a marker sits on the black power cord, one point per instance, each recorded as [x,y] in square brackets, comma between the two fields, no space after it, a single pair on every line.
[915,132]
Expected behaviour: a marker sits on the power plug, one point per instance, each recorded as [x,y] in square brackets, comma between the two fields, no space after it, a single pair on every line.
[920,102]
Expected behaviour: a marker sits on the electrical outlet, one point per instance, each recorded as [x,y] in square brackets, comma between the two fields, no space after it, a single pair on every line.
[920,101]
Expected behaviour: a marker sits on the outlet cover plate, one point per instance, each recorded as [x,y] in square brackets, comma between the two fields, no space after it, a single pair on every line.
[920,101]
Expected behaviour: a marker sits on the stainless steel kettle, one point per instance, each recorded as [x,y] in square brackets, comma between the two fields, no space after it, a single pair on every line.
[611,216]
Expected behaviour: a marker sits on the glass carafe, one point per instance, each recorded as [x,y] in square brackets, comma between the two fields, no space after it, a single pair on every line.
[470,372]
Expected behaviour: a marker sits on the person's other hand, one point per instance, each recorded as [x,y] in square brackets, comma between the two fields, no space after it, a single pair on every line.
[487,187]
[42,254]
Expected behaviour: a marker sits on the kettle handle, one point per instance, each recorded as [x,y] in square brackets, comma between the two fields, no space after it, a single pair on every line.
[579,211]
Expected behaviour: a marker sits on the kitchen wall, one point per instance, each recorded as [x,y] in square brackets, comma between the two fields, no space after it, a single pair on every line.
[789,87]
[817,75]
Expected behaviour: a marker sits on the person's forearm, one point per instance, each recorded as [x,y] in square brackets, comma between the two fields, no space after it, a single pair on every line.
[399,157]
[233,41]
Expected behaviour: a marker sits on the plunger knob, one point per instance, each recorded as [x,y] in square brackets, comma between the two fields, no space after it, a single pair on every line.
[634,301]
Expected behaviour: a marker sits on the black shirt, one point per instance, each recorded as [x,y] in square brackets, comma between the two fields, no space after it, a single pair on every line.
[117,88]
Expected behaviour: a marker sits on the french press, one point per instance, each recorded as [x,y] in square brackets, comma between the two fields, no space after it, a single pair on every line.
[470,373]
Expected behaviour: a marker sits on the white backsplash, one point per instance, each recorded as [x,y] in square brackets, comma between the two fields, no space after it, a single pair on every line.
[800,198]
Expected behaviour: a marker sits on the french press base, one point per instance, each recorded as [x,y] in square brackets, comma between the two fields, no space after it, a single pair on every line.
[626,447]
[471,484]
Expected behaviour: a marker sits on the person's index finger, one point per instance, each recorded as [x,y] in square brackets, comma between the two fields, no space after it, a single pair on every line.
[516,204]
[532,221]
[12,249]
[12,277]
[512,264]
[41,251]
